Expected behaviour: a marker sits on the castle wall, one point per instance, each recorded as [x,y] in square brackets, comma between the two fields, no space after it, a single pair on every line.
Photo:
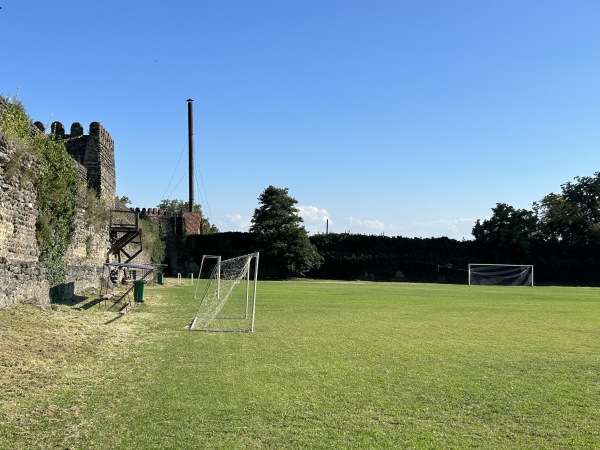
[100,162]
[86,255]
[22,275]
[96,153]
[176,227]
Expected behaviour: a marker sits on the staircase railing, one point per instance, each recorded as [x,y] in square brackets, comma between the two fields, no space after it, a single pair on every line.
[124,231]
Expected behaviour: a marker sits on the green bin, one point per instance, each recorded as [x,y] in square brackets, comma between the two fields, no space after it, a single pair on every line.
[159,278]
[138,291]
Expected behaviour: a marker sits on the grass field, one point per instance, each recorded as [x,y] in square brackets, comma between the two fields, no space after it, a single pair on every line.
[330,365]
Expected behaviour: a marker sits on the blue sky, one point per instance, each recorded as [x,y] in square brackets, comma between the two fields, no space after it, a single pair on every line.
[409,118]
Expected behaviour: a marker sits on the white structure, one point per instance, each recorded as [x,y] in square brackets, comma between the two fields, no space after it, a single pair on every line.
[229,299]
[218,265]
[501,274]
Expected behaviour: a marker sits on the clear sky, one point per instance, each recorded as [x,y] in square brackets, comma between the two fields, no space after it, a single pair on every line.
[406,117]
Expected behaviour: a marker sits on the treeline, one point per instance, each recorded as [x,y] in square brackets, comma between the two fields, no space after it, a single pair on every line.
[383,258]
[560,236]
[446,260]
[437,260]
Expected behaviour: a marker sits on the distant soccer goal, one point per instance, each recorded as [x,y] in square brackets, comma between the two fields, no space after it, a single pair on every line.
[229,299]
[501,274]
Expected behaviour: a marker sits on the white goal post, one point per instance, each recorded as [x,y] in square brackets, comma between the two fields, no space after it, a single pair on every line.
[229,300]
[501,274]
[217,265]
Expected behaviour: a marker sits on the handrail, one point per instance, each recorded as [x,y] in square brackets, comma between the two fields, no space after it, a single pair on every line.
[124,219]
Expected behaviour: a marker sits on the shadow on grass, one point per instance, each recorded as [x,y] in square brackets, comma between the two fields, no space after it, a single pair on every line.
[90,303]
[62,295]
[113,320]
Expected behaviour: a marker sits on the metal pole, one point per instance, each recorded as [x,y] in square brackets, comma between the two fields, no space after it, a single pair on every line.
[254,292]
[219,277]
[191,153]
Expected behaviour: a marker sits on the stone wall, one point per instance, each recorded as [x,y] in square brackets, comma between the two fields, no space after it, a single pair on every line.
[95,152]
[86,255]
[22,275]
[177,226]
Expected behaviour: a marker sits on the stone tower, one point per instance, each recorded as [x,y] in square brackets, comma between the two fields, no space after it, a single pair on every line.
[96,153]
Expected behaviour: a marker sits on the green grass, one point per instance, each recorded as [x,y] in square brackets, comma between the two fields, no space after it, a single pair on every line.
[330,365]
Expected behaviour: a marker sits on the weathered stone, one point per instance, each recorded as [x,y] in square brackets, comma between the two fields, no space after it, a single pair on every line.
[23,275]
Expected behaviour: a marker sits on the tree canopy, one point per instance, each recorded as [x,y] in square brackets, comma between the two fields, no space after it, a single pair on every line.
[574,215]
[176,205]
[571,217]
[509,231]
[280,236]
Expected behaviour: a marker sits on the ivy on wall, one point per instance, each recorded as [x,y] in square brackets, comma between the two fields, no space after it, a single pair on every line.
[153,235]
[55,181]
[57,188]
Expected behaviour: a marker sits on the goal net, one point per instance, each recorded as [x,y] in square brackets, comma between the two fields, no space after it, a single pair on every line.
[501,274]
[229,297]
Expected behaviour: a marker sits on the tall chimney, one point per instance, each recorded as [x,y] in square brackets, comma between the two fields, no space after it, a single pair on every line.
[191,152]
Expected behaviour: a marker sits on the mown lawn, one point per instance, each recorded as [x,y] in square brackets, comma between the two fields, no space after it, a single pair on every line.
[330,365]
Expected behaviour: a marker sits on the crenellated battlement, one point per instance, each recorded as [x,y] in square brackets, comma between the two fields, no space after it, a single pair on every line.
[176,226]
[95,152]
[96,130]
[100,133]
[146,212]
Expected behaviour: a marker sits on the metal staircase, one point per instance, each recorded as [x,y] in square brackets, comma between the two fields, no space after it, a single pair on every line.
[125,236]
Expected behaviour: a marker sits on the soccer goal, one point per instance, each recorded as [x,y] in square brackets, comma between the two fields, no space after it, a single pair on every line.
[229,299]
[501,274]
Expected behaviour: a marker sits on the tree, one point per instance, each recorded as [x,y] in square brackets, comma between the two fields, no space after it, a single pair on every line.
[122,202]
[280,236]
[177,206]
[509,231]
[574,215]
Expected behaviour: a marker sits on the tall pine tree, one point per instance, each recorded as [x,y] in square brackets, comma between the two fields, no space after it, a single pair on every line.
[283,242]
